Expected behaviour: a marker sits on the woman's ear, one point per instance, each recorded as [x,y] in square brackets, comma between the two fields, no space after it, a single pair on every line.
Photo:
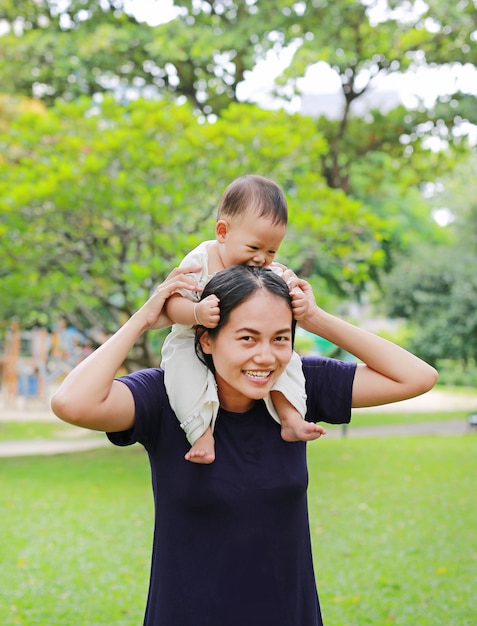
[221,230]
[206,343]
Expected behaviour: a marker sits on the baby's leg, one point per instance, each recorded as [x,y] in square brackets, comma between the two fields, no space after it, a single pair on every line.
[294,427]
[203,450]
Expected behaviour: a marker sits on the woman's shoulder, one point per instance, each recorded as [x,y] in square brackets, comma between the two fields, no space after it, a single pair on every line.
[145,374]
[150,400]
[145,383]
[312,362]
[329,387]
[327,372]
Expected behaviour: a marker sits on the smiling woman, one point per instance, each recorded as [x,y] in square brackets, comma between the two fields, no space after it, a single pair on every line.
[242,520]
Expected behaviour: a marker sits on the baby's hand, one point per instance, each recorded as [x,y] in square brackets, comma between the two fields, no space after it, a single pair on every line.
[300,303]
[207,311]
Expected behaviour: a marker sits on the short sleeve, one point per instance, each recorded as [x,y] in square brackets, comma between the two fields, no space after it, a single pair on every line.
[198,256]
[329,387]
[147,388]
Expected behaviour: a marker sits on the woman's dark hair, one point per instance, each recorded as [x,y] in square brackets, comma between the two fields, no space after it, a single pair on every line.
[233,286]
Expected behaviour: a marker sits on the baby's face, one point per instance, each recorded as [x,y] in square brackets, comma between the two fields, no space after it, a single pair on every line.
[250,240]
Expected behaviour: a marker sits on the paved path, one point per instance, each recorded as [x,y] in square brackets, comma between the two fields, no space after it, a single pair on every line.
[43,447]
[448,427]
[434,400]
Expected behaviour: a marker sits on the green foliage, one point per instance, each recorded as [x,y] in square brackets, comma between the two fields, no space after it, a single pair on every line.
[458,373]
[69,534]
[97,210]
[363,46]
[102,200]
[434,287]
[435,290]
[100,203]
[80,48]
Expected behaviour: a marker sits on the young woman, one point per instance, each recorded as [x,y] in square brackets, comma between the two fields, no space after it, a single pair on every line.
[231,540]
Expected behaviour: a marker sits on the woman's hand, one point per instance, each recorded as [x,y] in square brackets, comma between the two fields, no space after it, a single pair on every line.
[153,310]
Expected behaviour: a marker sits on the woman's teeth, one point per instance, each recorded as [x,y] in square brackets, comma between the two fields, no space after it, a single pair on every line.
[255,374]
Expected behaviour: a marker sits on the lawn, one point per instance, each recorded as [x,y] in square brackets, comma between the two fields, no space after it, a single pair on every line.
[392,520]
[56,429]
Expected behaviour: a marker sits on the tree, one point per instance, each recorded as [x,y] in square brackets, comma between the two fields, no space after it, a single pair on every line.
[66,50]
[101,201]
[434,288]
[88,47]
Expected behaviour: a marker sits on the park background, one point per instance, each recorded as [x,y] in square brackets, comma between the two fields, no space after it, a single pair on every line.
[118,135]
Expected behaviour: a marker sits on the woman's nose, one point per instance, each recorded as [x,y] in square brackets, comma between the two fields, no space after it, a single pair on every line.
[264,354]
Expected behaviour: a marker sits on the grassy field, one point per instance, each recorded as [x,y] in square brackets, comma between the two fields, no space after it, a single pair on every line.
[392,520]
[55,429]
[11,430]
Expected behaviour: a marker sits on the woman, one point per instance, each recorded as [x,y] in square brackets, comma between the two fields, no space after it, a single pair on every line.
[231,540]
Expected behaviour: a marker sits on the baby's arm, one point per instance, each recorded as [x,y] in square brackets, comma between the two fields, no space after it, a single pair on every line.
[181,310]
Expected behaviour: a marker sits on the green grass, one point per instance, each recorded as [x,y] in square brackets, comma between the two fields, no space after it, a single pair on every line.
[16,431]
[76,539]
[59,430]
[457,390]
[380,419]
[392,524]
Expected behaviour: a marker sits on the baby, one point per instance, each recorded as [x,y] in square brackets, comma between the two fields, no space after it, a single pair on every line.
[251,224]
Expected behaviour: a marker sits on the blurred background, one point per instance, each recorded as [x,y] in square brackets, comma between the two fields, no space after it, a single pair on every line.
[121,123]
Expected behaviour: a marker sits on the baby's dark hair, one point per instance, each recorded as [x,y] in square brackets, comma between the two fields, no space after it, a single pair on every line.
[256,193]
[233,286]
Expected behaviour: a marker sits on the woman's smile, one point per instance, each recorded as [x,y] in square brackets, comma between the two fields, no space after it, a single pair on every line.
[257,375]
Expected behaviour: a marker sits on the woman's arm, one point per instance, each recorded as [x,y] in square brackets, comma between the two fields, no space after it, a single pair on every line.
[388,373]
[89,396]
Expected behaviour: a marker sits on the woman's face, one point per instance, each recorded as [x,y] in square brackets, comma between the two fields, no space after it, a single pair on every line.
[251,350]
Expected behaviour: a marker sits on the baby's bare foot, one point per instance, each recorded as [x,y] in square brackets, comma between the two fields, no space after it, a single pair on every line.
[303,431]
[200,456]
[203,450]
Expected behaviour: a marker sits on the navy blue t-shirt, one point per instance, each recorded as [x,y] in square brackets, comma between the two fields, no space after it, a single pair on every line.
[231,539]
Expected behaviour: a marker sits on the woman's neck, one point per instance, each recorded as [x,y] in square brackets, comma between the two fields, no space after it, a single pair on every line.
[233,401]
